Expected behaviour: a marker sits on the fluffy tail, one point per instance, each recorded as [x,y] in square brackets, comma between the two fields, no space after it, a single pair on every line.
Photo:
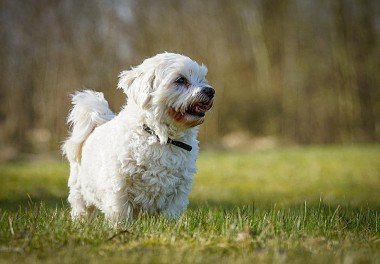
[89,110]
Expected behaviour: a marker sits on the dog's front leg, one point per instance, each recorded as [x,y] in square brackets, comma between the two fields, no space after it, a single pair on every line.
[177,205]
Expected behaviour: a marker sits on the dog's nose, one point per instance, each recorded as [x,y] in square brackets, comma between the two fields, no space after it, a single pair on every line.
[209,92]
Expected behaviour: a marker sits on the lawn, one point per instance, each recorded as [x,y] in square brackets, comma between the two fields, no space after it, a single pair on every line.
[294,205]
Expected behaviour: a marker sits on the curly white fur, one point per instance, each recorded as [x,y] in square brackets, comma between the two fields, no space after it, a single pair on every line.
[119,168]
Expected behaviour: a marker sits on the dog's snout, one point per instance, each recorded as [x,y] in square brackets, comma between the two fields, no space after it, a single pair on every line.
[209,92]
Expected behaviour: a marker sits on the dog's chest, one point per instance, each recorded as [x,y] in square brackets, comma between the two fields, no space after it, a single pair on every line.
[154,174]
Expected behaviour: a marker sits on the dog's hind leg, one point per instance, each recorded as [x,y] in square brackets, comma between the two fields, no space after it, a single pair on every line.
[76,200]
[79,208]
[78,205]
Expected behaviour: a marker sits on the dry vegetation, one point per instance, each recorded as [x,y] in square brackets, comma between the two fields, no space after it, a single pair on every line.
[301,71]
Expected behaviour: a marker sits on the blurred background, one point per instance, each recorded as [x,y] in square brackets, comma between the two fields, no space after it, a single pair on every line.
[285,71]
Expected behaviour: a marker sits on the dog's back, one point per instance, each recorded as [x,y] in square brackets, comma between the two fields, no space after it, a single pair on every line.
[90,110]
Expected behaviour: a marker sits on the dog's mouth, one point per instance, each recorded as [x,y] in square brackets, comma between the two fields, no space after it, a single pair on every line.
[199,109]
[193,115]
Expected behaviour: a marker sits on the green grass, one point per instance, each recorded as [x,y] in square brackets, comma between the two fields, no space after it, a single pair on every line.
[296,205]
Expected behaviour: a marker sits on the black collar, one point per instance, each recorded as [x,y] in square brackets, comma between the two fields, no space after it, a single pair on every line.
[170,141]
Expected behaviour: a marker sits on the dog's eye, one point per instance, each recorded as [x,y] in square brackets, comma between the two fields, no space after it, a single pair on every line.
[181,80]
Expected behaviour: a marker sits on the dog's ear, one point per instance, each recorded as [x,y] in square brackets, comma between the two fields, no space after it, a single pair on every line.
[126,78]
[137,84]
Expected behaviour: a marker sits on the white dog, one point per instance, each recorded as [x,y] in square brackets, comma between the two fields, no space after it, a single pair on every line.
[143,159]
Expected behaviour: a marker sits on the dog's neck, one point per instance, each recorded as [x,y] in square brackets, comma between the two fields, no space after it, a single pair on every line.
[164,129]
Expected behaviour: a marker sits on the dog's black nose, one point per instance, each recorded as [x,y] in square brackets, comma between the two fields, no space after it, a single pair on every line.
[209,92]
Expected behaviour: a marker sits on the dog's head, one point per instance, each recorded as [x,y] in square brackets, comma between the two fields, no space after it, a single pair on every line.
[172,87]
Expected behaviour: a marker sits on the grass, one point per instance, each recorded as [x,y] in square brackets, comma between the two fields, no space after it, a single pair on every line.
[296,205]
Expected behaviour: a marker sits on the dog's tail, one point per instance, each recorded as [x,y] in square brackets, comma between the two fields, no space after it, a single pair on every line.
[89,110]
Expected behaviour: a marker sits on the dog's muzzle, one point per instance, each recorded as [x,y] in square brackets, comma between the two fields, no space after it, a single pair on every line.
[200,107]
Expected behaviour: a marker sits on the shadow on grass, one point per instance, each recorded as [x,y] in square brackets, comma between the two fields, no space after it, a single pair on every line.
[227,205]
[60,202]
[28,202]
